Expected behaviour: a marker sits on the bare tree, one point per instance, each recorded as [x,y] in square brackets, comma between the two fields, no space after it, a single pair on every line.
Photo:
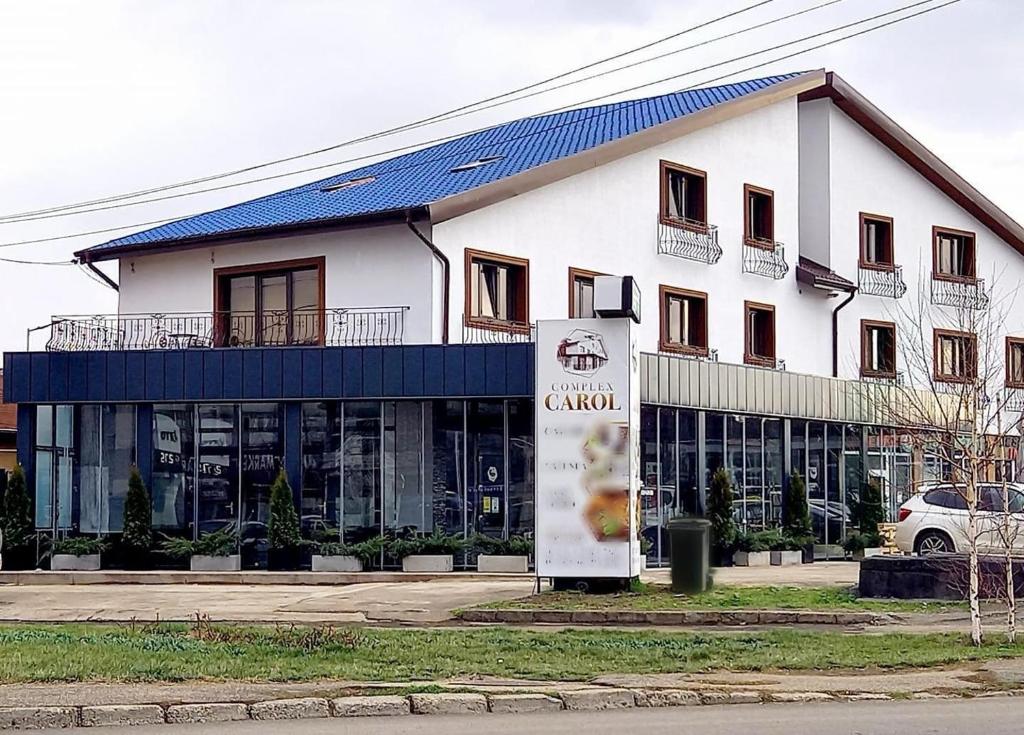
[953,403]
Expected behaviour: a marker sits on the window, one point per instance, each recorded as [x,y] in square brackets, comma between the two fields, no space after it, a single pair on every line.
[270,304]
[953,254]
[946,497]
[956,356]
[759,334]
[876,242]
[759,217]
[684,321]
[683,196]
[581,293]
[1015,362]
[497,290]
[877,349]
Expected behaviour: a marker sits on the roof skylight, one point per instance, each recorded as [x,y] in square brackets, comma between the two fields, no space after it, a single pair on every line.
[482,161]
[350,183]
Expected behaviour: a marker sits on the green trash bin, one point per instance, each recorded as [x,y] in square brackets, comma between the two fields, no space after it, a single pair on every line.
[689,544]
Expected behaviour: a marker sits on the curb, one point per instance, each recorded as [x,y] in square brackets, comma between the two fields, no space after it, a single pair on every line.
[577,700]
[671,617]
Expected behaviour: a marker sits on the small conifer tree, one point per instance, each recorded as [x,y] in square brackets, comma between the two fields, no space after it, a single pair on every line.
[796,514]
[138,515]
[283,528]
[720,513]
[16,513]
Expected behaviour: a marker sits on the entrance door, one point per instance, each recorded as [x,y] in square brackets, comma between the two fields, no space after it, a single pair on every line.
[487,496]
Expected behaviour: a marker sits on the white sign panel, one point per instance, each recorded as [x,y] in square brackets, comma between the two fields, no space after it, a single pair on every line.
[588,449]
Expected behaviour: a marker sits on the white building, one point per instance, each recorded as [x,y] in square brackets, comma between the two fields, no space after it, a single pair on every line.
[748,213]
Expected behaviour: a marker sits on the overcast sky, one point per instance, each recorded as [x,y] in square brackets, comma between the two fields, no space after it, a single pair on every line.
[105,97]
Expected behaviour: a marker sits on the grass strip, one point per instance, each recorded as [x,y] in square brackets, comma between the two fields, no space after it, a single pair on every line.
[36,653]
[648,597]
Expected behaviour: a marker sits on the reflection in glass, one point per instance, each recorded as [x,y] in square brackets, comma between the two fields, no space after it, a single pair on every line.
[320,511]
[444,462]
[649,491]
[773,471]
[405,507]
[854,475]
[44,489]
[262,459]
[361,449]
[217,468]
[836,518]
[753,488]
[714,454]
[485,448]
[816,477]
[668,484]
[107,456]
[173,484]
[734,462]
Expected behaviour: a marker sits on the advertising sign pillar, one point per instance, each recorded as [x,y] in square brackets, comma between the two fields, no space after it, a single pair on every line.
[588,450]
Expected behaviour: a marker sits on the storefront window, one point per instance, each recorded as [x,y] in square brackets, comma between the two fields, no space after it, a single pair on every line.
[520,468]
[688,499]
[445,462]
[217,502]
[649,491]
[262,459]
[485,442]
[172,487]
[853,468]
[836,508]
[405,505]
[107,456]
[753,490]
[773,471]
[320,512]
[816,477]
[734,463]
[361,473]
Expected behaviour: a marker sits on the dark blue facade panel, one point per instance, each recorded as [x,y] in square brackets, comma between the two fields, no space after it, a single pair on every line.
[270,374]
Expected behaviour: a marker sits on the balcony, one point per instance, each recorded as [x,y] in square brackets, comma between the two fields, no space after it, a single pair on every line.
[1012,399]
[683,238]
[896,379]
[341,327]
[960,293]
[885,282]
[479,330]
[765,258]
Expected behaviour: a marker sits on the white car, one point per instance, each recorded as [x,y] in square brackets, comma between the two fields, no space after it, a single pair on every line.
[935,519]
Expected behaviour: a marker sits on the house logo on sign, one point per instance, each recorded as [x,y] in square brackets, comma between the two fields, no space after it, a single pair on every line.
[582,352]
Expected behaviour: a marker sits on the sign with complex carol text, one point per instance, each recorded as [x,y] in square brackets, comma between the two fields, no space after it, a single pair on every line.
[588,449]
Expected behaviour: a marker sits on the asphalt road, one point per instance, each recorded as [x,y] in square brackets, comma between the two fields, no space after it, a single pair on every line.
[997,716]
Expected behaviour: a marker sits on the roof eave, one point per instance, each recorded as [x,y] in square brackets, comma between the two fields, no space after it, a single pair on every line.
[859,109]
[91,255]
[547,173]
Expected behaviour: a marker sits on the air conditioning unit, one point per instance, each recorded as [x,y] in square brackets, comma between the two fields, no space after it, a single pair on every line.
[617,296]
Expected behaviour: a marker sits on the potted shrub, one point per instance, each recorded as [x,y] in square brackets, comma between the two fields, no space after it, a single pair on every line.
[796,517]
[752,550]
[720,513]
[860,545]
[212,552]
[645,548]
[137,538]
[79,554]
[868,512]
[283,534]
[433,553]
[511,555]
[17,529]
[336,556]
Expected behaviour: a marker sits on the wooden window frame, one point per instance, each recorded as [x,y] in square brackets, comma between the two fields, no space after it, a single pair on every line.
[748,233]
[865,346]
[936,231]
[496,325]
[1011,342]
[575,273]
[666,345]
[972,362]
[220,275]
[872,265]
[759,360]
[666,167]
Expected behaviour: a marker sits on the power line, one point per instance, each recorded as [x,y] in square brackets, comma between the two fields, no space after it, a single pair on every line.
[659,81]
[397,129]
[17,261]
[454,136]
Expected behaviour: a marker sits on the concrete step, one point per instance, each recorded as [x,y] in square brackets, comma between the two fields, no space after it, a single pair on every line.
[39,577]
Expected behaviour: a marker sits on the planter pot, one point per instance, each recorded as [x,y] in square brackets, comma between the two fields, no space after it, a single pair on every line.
[283,560]
[829,551]
[72,563]
[807,552]
[502,564]
[336,564]
[200,563]
[870,551]
[428,563]
[752,558]
[787,558]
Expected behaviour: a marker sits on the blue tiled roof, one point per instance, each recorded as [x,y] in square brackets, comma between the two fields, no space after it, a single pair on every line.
[424,176]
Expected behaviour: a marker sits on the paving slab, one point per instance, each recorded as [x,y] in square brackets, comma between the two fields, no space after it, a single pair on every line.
[290,709]
[598,699]
[448,704]
[122,715]
[196,714]
[382,706]
[37,718]
[521,703]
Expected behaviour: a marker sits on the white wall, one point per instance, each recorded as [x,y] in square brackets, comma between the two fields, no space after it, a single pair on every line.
[373,266]
[814,180]
[868,177]
[605,219]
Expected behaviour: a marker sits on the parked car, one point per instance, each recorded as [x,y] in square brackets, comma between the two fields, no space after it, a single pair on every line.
[935,519]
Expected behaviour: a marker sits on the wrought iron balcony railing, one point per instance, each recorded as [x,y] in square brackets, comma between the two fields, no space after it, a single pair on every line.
[181,330]
[764,258]
[886,282]
[895,379]
[688,239]
[479,330]
[769,363]
[1012,399]
[959,293]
